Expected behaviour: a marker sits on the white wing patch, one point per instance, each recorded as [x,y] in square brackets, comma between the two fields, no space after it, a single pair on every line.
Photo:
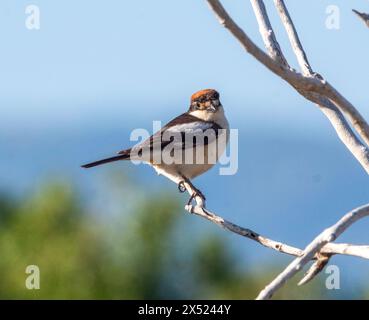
[190,127]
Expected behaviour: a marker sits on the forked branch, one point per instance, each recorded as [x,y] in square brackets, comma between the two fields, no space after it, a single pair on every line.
[327,236]
[310,87]
[339,111]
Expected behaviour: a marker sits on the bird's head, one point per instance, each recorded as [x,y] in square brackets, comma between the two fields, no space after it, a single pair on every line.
[205,101]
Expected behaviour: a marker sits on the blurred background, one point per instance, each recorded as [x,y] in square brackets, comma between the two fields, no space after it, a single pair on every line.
[72,92]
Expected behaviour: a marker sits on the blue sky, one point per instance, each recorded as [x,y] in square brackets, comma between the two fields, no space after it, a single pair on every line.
[96,57]
[72,92]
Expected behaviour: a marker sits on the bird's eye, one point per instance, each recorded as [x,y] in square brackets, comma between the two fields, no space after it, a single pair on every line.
[196,106]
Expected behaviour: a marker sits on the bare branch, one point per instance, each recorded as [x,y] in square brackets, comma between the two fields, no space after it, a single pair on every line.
[267,33]
[348,249]
[307,86]
[363,16]
[343,130]
[354,116]
[294,39]
[313,248]
[312,86]
[315,269]
[328,249]
[247,233]
[334,115]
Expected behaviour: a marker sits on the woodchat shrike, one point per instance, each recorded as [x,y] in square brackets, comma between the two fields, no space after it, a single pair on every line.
[187,146]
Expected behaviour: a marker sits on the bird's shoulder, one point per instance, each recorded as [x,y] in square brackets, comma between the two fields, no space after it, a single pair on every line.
[187,123]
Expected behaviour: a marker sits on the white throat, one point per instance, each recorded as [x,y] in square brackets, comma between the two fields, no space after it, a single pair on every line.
[217,117]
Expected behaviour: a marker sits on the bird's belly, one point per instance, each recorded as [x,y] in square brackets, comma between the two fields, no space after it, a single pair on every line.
[190,162]
[200,160]
[191,171]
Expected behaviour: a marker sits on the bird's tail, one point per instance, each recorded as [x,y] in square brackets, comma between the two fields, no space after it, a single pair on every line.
[107,160]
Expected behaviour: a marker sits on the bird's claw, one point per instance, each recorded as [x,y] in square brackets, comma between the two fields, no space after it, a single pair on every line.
[197,193]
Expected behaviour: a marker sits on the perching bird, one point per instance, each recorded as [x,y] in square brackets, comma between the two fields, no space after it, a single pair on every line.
[187,146]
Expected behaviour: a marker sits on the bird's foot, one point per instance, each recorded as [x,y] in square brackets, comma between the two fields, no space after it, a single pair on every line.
[196,193]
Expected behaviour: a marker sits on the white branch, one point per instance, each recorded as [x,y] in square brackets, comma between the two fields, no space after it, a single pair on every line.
[314,247]
[294,39]
[312,86]
[334,115]
[267,33]
[315,268]
[328,249]
[307,86]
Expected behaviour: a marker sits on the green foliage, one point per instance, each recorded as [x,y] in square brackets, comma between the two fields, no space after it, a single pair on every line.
[138,255]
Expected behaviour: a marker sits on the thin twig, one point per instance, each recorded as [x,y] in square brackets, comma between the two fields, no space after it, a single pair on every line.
[267,33]
[294,39]
[328,249]
[315,268]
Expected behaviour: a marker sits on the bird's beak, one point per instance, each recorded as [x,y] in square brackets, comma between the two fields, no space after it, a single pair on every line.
[212,108]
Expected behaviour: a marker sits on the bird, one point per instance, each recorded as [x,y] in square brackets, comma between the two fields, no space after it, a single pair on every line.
[187,146]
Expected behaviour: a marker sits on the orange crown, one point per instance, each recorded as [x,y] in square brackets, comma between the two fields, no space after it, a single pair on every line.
[205,92]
